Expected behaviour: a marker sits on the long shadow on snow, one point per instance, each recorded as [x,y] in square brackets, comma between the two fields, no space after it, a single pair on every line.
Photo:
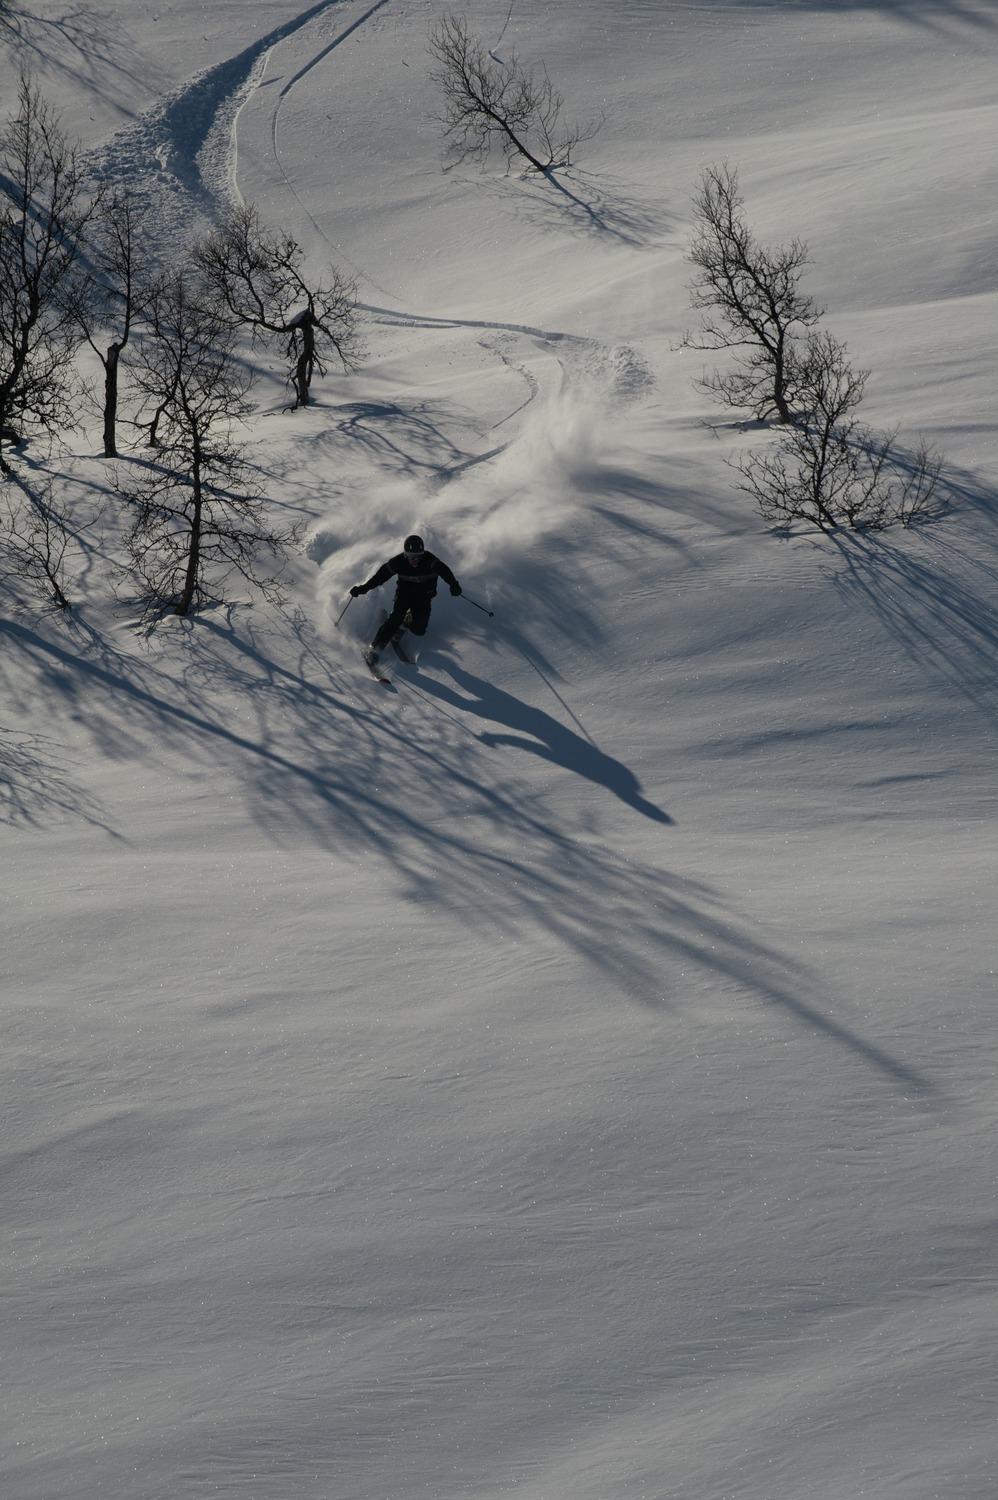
[581,202]
[409,438]
[324,760]
[631,920]
[492,855]
[36,788]
[944,16]
[537,733]
[936,600]
[82,44]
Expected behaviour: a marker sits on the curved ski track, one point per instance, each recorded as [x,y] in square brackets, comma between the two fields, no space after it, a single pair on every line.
[625,381]
[179,161]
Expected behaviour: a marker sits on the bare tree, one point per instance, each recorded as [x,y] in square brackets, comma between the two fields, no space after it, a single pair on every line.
[828,469]
[489,103]
[34,537]
[257,278]
[750,298]
[43,212]
[120,283]
[197,515]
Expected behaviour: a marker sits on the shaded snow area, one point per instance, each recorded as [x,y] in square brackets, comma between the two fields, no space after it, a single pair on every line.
[570,1072]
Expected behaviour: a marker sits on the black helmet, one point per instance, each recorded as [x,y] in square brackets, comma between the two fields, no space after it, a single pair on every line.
[413,545]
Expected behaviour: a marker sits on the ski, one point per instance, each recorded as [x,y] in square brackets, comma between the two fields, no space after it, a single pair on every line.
[375,670]
[393,642]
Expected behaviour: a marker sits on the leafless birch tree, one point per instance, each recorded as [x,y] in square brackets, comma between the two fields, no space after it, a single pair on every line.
[120,281]
[750,299]
[197,515]
[830,470]
[44,209]
[257,278]
[489,104]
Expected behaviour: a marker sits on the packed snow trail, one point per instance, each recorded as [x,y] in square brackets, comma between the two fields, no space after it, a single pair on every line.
[179,158]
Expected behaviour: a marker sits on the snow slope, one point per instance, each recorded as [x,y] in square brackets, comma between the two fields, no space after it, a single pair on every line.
[571,1073]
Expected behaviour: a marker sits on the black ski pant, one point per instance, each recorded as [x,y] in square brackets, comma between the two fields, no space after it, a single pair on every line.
[413,614]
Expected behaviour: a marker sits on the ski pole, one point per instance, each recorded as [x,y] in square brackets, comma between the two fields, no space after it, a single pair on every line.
[489,612]
[343,611]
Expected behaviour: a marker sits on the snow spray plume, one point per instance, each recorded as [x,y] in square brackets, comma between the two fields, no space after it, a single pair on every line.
[530,492]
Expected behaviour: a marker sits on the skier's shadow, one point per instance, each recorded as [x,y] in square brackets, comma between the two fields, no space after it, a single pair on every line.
[540,734]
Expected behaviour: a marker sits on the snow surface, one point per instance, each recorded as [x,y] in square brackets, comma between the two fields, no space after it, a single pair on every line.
[572,1073]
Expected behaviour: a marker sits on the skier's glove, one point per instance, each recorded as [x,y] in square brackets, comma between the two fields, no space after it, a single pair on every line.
[455,589]
[357,590]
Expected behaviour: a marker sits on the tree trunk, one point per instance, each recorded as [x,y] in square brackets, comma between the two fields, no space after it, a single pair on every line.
[194,546]
[111,399]
[305,362]
[7,433]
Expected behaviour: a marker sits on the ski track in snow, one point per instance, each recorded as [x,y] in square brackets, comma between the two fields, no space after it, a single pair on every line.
[589,372]
[180,162]
[613,373]
[292,82]
[179,157]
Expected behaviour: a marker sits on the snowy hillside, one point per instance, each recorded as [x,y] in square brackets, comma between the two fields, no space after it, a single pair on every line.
[572,1071]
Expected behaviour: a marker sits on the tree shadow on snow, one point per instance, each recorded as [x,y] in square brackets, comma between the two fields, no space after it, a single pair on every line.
[407,438]
[947,17]
[82,44]
[326,758]
[934,590]
[36,788]
[581,201]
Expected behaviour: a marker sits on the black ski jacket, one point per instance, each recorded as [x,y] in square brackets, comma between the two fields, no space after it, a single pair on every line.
[416,580]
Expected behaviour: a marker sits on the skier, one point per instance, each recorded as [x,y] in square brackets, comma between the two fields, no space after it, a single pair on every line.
[416,571]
